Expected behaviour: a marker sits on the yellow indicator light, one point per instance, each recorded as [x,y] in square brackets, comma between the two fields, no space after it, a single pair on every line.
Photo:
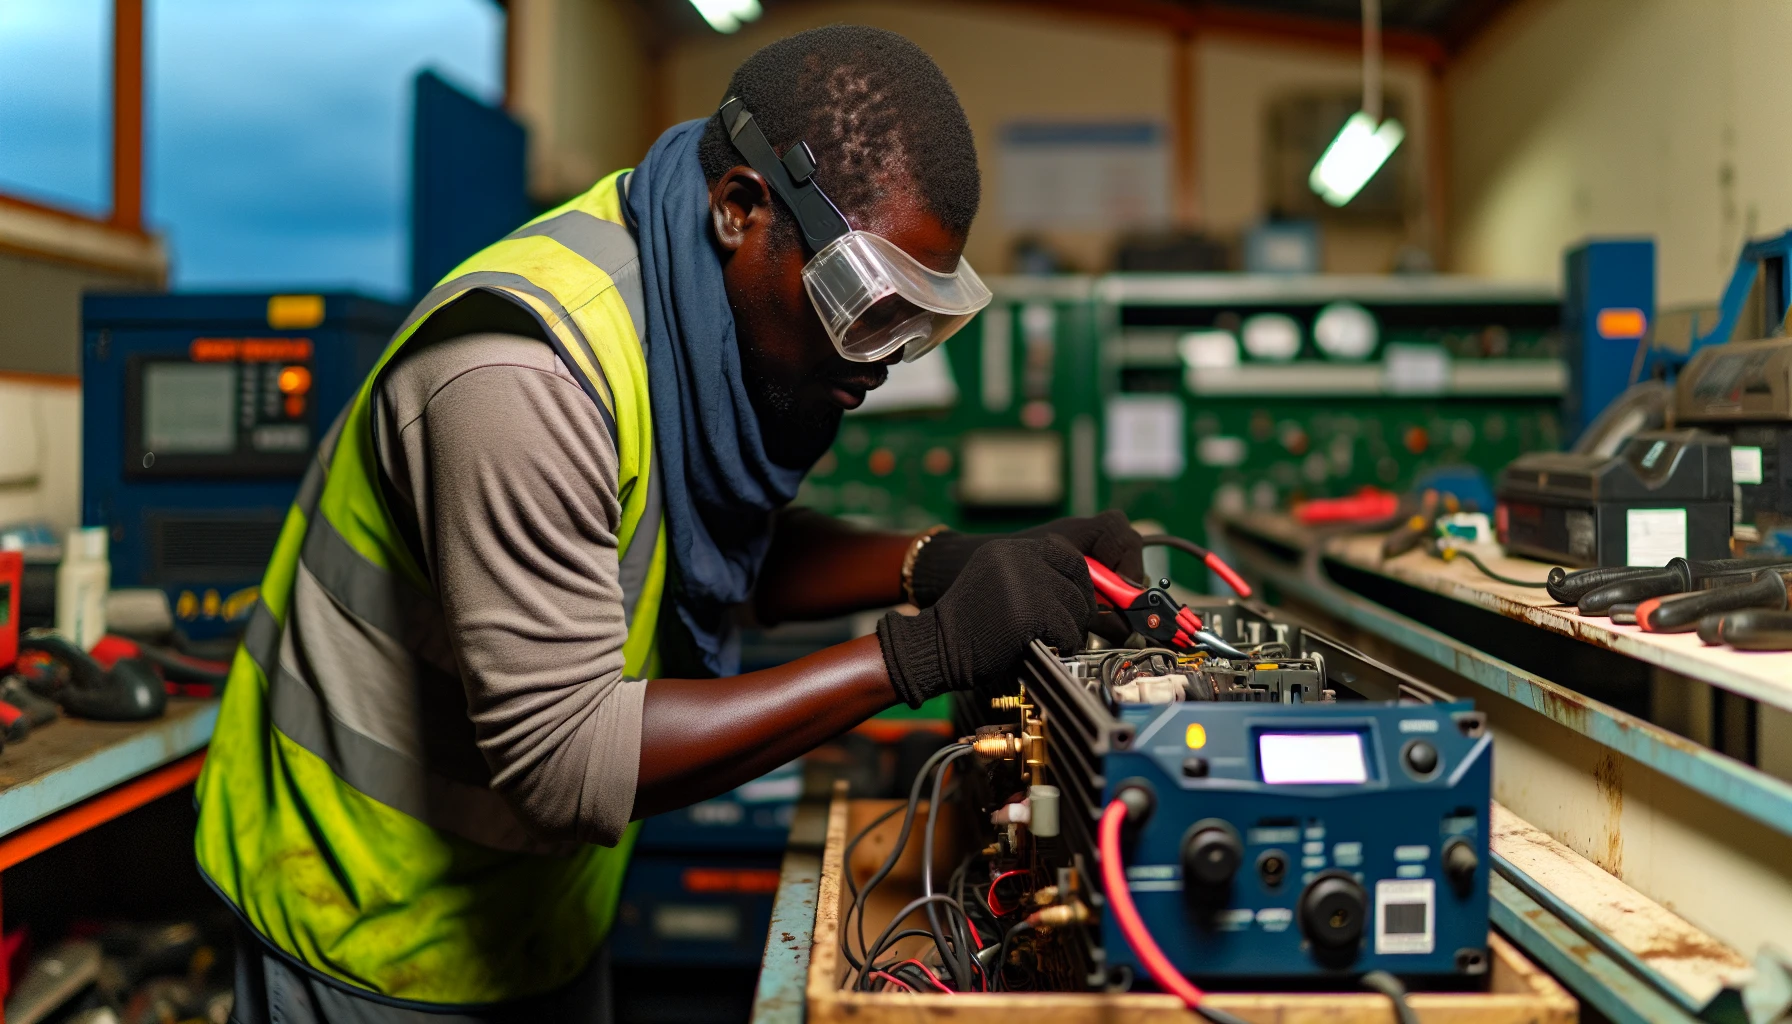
[1268,666]
[1196,736]
[1622,324]
[295,312]
[294,380]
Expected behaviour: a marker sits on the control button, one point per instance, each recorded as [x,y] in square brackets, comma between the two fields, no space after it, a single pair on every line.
[1194,767]
[1333,911]
[1272,867]
[1210,855]
[1421,757]
[1460,864]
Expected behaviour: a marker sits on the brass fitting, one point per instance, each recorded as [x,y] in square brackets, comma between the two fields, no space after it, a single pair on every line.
[993,850]
[996,745]
[1008,702]
[1045,895]
[1061,915]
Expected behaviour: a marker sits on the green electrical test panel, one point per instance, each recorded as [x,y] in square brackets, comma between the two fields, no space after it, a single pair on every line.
[1169,396]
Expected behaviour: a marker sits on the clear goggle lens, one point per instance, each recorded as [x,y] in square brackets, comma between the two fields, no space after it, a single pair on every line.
[874,299]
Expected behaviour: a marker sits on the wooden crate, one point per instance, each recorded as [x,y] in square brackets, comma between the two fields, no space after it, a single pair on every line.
[1520,992]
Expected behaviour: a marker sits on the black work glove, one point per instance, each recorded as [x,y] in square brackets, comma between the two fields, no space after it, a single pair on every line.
[1108,538]
[1011,592]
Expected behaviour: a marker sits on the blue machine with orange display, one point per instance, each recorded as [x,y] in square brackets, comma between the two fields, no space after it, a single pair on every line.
[199,415]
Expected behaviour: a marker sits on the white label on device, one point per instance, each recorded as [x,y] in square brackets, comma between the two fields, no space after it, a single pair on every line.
[1745,465]
[1405,915]
[1654,536]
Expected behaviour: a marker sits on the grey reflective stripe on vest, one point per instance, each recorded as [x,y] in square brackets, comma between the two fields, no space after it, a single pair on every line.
[498,282]
[638,559]
[362,667]
[610,247]
[350,680]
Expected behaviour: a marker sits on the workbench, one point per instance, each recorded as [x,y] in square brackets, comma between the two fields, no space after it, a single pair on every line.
[1643,820]
[71,775]
[1642,810]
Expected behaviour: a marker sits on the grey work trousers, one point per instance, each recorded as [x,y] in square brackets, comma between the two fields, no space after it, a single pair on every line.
[270,990]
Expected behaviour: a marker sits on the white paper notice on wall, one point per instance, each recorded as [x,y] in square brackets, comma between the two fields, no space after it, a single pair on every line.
[1654,536]
[1085,175]
[1745,464]
[1144,438]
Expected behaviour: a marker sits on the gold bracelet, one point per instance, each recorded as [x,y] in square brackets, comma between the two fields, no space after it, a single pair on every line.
[909,557]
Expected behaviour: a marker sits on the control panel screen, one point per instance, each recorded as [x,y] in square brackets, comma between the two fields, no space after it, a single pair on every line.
[190,408]
[1310,758]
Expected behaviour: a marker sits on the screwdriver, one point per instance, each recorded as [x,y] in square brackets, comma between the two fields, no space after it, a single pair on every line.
[1751,629]
[1569,587]
[1681,613]
[1418,526]
[1679,576]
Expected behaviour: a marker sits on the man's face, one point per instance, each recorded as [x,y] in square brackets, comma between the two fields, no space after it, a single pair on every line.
[799,383]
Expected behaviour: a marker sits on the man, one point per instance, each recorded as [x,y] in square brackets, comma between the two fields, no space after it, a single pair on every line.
[497,627]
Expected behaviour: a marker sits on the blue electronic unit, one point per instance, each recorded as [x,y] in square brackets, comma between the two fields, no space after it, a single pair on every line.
[1359,831]
[1608,309]
[199,415]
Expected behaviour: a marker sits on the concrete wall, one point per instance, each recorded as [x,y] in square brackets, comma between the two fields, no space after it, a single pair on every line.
[580,83]
[1572,118]
[40,450]
[1009,65]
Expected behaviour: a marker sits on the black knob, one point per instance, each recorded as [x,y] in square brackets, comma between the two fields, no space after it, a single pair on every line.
[1210,855]
[1460,863]
[1421,757]
[1194,767]
[1333,911]
[1272,865]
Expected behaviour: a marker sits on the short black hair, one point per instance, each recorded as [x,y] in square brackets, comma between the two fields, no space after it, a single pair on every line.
[874,108]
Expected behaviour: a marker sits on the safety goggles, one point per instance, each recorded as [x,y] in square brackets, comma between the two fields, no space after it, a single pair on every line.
[873,298]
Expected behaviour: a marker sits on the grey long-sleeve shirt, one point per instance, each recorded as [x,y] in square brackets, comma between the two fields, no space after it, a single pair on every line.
[504,469]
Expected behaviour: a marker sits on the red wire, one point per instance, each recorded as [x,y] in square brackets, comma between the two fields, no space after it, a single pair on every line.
[893,979]
[1113,880]
[1227,573]
[937,983]
[991,898]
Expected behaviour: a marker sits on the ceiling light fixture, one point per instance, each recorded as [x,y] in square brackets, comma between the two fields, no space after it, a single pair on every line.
[1366,141]
[727,15]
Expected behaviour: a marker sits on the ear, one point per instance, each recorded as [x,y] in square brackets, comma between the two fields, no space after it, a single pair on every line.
[739,203]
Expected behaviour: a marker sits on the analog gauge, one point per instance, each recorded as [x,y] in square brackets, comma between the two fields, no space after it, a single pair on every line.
[1272,337]
[1345,330]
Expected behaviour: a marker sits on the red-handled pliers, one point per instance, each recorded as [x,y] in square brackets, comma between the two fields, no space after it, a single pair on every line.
[1152,613]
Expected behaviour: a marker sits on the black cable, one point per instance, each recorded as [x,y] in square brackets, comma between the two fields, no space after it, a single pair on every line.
[959,963]
[889,864]
[852,887]
[885,937]
[1469,556]
[998,975]
[1388,985]
[1187,547]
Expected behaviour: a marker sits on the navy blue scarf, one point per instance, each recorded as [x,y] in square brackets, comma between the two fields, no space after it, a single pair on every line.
[720,486]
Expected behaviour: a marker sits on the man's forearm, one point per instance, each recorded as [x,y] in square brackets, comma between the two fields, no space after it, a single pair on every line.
[820,567]
[703,737]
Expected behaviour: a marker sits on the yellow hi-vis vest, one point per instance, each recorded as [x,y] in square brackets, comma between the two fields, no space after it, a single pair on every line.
[344,809]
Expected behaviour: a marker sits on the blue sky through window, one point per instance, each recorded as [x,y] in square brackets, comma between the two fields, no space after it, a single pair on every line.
[277,132]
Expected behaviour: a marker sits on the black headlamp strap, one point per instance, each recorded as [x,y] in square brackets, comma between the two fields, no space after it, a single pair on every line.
[792,177]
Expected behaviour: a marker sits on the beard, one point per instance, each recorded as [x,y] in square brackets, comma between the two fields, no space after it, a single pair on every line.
[796,433]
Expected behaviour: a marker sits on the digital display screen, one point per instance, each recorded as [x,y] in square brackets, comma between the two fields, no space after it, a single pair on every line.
[1310,758]
[190,408]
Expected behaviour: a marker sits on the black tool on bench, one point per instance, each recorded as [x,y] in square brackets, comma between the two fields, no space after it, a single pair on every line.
[1681,613]
[130,691]
[1679,576]
[1751,629]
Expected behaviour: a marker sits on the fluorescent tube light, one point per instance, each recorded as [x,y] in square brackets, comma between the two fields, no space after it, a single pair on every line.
[727,15]
[1354,156]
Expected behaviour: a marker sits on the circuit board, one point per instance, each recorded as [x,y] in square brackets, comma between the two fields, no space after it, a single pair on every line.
[1041,389]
